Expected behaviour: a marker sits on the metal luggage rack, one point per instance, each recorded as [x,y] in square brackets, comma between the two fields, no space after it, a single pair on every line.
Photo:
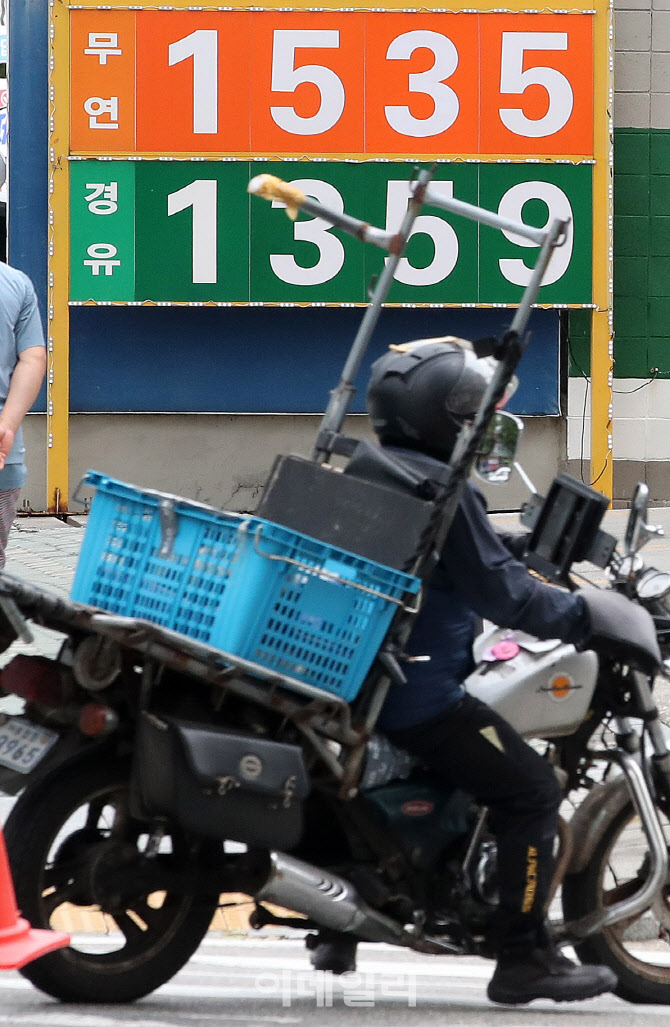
[271,188]
[320,716]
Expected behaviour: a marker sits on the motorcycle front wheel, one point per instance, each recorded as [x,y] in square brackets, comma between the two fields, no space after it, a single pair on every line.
[638,948]
[72,842]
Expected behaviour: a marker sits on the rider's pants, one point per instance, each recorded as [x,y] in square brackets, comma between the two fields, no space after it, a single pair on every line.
[473,748]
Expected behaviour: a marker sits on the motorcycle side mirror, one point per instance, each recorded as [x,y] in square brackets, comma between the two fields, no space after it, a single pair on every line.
[495,458]
[636,518]
[637,530]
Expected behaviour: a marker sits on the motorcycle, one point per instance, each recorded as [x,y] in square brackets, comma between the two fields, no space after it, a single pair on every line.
[207,730]
[163,755]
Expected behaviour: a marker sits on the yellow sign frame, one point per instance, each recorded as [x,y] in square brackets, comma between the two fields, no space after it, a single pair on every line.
[602,362]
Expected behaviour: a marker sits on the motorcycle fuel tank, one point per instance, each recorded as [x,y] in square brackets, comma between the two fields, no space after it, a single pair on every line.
[543,688]
[422,815]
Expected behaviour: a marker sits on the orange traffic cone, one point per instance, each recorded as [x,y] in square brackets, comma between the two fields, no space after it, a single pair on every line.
[19,942]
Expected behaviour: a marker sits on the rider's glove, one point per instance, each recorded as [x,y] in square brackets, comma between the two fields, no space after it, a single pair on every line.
[621,629]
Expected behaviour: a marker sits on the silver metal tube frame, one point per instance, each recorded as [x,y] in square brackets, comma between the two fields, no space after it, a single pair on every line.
[658,855]
[482,215]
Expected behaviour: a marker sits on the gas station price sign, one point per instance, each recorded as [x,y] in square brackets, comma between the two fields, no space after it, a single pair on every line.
[172,111]
[305,82]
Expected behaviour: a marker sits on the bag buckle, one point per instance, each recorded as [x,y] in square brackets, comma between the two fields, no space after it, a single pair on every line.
[288,791]
[226,784]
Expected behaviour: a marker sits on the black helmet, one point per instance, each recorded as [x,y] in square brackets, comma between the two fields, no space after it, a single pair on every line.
[420,393]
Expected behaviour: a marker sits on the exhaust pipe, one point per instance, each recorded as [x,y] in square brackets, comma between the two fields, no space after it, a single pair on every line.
[328,899]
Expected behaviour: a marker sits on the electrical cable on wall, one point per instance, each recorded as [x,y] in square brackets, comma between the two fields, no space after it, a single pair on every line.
[655,371]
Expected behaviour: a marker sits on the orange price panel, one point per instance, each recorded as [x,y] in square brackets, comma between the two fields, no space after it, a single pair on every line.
[537,84]
[102,81]
[307,76]
[422,83]
[193,81]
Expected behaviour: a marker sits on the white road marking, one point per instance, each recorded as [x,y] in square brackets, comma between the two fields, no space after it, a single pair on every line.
[60,1019]
[365,966]
[234,973]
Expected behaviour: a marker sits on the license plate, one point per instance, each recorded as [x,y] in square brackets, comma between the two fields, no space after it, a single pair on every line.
[22,744]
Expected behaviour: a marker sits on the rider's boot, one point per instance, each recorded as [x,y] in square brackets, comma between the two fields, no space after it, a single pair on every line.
[332,950]
[545,973]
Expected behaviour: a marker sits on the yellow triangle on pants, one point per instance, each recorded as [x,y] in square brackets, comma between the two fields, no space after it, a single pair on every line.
[491,735]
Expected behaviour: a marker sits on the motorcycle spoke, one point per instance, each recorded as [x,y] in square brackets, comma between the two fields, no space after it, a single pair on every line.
[639,941]
[621,891]
[55,896]
[108,815]
[60,876]
[152,916]
[94,814]
[132,927]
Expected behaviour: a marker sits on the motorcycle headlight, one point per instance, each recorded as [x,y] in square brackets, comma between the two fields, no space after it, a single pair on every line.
[653,584]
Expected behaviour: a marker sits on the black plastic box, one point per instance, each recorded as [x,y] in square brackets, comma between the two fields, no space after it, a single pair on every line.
[388,525]
[566,529]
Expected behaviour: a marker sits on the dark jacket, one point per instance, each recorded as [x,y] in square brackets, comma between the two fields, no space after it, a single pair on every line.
[476,574]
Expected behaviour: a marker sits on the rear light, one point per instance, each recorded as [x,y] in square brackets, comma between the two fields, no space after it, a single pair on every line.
[96,719]
[34,678]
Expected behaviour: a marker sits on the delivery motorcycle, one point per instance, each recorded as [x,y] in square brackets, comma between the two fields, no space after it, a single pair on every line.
[206,735]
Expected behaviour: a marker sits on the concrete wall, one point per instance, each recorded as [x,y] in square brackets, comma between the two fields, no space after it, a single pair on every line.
[224,460]
[641,402]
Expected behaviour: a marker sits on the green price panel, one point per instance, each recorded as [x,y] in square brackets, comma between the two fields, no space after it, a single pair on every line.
[174,231]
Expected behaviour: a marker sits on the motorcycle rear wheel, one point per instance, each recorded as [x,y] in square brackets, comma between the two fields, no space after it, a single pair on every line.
[63,835]
[637,949]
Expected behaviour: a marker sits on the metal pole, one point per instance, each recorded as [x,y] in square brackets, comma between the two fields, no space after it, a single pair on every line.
[514,345]
[341,396]
[602,327]
[482,215]
[554,237]
[57,324]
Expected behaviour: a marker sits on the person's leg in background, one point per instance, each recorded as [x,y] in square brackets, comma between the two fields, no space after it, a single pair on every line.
[9,501]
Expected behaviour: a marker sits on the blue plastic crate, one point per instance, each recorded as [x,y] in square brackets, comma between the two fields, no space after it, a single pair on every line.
[248,586]
[125,568]
[307,609]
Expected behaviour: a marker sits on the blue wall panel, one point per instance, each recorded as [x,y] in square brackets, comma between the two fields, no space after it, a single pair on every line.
[29,140]
[269,359]
[28,148]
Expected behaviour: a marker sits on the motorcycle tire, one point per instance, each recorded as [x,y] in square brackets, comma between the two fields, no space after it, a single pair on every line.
[637,949]
[63,835]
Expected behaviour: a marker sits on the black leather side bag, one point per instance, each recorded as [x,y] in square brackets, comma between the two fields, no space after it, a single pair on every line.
[220,784]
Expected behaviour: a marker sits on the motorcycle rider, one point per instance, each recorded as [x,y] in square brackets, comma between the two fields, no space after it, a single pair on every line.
[418,397]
